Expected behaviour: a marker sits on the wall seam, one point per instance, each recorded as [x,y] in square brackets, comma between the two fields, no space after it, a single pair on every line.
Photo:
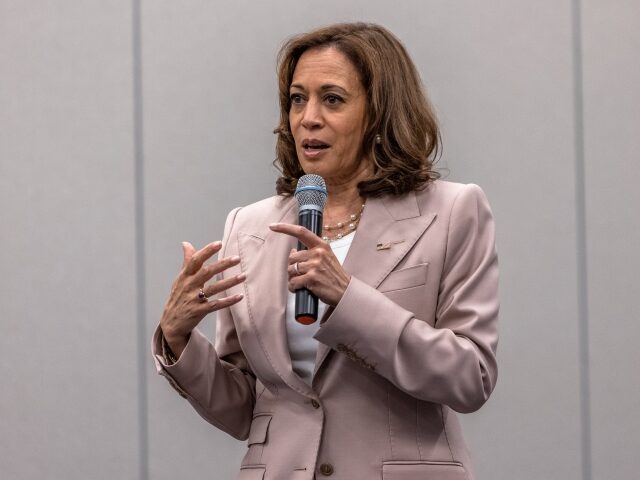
[581,243]
[138,140]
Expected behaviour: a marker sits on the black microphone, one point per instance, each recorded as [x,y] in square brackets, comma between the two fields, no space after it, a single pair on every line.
[311,193]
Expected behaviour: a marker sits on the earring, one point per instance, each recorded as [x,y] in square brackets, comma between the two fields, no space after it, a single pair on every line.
[378,139]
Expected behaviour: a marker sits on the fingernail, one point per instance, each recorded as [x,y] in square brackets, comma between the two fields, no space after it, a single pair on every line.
[235,258]
[242,276]
[271,225]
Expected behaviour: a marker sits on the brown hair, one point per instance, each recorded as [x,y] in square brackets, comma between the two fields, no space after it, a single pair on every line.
[397,109]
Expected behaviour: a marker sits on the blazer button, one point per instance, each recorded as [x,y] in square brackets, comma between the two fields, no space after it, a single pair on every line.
[326,469]
[315,404]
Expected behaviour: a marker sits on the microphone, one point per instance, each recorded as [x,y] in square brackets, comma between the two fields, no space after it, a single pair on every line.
[311,193]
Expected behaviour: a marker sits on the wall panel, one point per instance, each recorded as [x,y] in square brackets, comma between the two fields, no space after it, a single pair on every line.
[611,41]
[68,402]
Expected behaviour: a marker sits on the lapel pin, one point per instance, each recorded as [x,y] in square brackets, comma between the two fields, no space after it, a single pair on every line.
[388,245]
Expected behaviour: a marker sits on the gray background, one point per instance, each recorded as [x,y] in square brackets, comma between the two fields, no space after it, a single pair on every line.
[127,127]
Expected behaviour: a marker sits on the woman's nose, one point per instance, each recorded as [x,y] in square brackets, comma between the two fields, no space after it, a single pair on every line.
[312,116]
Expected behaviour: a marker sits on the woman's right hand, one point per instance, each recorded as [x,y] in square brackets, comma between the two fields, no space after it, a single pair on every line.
[185,308]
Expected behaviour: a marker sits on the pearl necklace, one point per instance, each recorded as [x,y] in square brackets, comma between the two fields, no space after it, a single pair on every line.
[350,225]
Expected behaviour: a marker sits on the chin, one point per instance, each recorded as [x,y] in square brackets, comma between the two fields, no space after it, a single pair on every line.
[311,168]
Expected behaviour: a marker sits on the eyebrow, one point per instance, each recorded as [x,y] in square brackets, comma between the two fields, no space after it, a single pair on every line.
[327,86]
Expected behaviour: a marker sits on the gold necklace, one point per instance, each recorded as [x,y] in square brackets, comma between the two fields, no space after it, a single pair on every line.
[348,226]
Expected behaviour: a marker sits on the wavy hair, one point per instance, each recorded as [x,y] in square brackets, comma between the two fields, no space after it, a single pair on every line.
[397,109]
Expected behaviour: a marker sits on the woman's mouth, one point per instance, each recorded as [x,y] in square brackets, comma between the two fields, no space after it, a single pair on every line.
[314,148]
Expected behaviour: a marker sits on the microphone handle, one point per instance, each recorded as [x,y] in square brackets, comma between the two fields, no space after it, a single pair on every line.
[306,302]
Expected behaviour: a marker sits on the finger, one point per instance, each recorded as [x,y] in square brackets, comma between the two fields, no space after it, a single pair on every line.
[299,256]
[221,303]
[302,268]
[306,237]
[298,282]
[222,285]
[292,271]
[198,258]
[187,253]
[212,269]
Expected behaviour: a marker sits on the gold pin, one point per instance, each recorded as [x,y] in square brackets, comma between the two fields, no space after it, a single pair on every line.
[388,245]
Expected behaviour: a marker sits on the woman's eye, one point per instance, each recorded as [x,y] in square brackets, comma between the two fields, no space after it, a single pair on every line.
[296,98]
[333,99]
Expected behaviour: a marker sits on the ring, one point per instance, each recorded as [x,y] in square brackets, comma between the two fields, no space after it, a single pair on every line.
[297,270]
[202,296]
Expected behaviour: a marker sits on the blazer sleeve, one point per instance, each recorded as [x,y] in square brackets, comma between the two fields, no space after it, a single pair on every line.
[454,362]
[216,381]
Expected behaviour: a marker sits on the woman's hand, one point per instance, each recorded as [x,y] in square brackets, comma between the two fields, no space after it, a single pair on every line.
[317,268]
[186,306]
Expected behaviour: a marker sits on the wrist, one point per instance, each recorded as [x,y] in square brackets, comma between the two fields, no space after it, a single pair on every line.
[176,342]
[172,336]
[343,288]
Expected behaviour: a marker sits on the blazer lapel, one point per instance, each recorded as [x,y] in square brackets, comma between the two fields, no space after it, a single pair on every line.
[263,256]
[389,228]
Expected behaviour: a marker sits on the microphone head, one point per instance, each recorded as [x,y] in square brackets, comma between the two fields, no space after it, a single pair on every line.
[311,192]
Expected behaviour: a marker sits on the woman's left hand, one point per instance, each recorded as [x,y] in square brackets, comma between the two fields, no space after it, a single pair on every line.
[316,268]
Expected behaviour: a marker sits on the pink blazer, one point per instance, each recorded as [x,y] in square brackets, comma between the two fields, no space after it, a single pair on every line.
[412,340]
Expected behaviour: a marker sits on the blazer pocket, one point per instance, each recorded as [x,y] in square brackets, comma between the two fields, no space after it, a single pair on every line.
[251,473]
[408,277]
[259,429]
[416,469]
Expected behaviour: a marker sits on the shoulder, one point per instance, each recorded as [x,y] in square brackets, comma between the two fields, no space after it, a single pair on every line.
[266,206]
[460,208]
[465,213]
[262,212]
[442,196]
[455,203]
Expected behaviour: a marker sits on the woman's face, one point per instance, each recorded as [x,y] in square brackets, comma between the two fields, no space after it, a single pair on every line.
[327,116]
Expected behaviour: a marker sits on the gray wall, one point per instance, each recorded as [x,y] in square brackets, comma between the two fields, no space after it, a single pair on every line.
[127,127]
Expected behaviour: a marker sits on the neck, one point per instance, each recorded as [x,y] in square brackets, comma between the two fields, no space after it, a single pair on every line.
[341,215]
[344,205]
[343,196]
[345,201]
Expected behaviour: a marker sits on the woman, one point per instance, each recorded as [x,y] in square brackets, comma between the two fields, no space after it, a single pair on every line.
[409,332]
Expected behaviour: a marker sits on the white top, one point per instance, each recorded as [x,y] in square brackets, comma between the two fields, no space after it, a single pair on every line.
[302,345]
